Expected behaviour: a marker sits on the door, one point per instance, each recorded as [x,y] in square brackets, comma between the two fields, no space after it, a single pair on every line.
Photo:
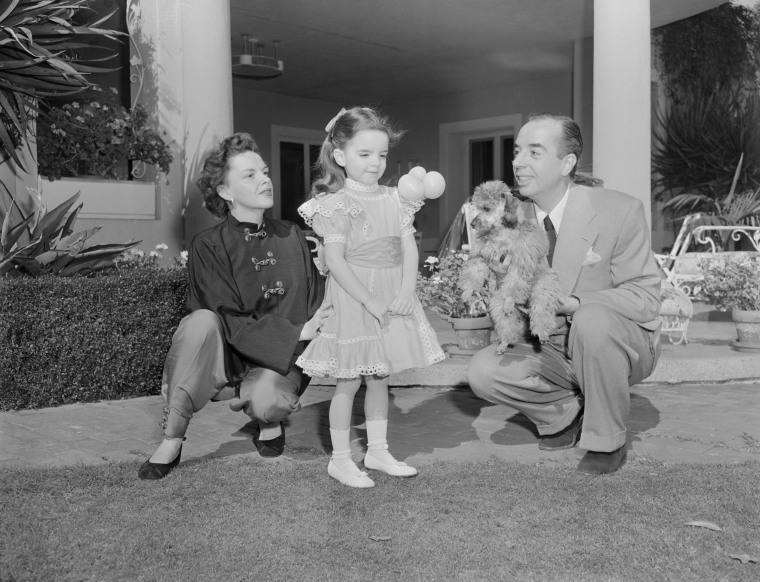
[297,162]
[491,159]
[295,151]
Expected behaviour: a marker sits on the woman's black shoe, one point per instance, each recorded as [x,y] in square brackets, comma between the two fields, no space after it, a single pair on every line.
[152,471]
[271,448]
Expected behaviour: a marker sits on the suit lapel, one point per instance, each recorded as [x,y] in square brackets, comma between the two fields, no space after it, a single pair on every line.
[576,236]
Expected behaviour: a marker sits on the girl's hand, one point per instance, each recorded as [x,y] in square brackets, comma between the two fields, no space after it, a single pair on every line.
[310,329]
[403,303]
[378,310]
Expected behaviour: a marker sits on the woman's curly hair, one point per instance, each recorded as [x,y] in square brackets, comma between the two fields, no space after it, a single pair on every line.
[215,168]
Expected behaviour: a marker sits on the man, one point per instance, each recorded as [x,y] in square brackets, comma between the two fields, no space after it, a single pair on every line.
[576,387]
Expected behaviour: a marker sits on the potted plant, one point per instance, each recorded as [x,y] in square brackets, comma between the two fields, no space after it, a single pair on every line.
[440,293]
[39,53]
[732,281]
[96,139]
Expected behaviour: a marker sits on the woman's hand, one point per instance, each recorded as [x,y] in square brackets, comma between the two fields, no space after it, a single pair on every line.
[403,303]
[378,310]
[310,329]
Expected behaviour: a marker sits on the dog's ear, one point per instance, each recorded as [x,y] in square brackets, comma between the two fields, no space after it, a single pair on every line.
[509,217]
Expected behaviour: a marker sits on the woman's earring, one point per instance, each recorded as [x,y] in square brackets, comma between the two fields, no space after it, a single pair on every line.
[232,202]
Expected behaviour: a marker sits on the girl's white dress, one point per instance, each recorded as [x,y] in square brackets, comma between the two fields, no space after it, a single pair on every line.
[370,221]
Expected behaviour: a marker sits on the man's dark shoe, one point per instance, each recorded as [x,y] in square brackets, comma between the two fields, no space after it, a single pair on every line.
[271,448]
[596,463]
[567,438]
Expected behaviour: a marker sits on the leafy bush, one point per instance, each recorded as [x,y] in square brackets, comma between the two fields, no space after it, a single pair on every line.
[40,59]
[709,68]
[698,145]
[94,138]
[731,281]
[83,339]
[440,291]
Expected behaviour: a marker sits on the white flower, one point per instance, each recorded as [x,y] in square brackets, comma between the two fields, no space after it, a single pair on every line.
[183,255]
[161,247]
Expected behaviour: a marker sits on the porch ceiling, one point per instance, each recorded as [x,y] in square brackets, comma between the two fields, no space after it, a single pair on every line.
[385,51]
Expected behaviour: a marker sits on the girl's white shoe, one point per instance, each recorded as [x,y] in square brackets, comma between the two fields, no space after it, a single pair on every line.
[382,460]
[350,474]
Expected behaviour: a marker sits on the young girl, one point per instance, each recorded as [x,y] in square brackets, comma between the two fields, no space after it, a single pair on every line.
[378,326]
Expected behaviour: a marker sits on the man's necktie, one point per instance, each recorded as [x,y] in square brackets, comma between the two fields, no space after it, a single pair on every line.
[551,234]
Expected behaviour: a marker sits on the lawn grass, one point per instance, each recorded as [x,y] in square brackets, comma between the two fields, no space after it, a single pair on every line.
[245,518]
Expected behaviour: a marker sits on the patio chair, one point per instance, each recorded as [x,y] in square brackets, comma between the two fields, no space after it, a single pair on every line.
[675,313]
[679,266]
[682,242]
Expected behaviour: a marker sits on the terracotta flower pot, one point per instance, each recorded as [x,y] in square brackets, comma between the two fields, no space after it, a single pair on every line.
[747,330]
[472,333]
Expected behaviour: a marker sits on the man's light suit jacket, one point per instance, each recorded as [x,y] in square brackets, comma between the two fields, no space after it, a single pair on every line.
[604,254]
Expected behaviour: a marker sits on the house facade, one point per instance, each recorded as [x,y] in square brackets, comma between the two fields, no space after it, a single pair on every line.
[181,61]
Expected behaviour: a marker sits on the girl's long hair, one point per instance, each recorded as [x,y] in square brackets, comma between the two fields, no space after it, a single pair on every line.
[331,175]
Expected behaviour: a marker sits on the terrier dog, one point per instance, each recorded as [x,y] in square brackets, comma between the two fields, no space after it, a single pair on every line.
[509,258]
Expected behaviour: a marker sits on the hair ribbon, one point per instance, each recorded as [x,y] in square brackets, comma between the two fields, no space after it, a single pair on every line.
[331,123]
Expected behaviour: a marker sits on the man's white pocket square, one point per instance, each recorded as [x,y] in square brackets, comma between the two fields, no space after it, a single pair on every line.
[591,258]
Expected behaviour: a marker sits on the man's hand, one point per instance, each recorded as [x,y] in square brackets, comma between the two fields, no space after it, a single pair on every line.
[311,327]
[570,305]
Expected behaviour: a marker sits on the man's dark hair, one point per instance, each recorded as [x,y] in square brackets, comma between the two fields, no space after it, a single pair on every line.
[571,141]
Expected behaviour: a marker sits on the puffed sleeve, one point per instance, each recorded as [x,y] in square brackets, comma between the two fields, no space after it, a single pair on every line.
[330,216]
[407,210]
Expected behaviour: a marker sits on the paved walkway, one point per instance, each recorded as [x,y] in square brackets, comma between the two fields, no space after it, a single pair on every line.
[707,420]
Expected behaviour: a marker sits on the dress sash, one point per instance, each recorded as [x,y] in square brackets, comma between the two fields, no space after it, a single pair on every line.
[380,253]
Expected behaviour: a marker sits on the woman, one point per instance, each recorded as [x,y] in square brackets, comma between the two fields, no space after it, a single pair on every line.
[254,295]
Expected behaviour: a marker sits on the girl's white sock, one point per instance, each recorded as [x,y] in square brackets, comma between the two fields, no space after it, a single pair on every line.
[377,441]
[378,457]
[341,455]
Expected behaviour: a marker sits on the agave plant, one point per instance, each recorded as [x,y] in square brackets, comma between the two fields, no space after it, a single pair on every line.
[735,209]
[697,145]
[38,44]
[44,242]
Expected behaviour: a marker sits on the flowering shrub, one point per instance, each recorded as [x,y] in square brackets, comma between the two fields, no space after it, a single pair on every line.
[94,139]
[440,291]
[731,282]
[134,257]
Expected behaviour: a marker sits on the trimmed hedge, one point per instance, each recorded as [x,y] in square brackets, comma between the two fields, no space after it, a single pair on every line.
[83,339]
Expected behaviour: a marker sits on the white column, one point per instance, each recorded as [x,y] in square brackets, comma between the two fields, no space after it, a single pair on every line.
[193,57]
[622,110]
[583,106]
[206,95]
